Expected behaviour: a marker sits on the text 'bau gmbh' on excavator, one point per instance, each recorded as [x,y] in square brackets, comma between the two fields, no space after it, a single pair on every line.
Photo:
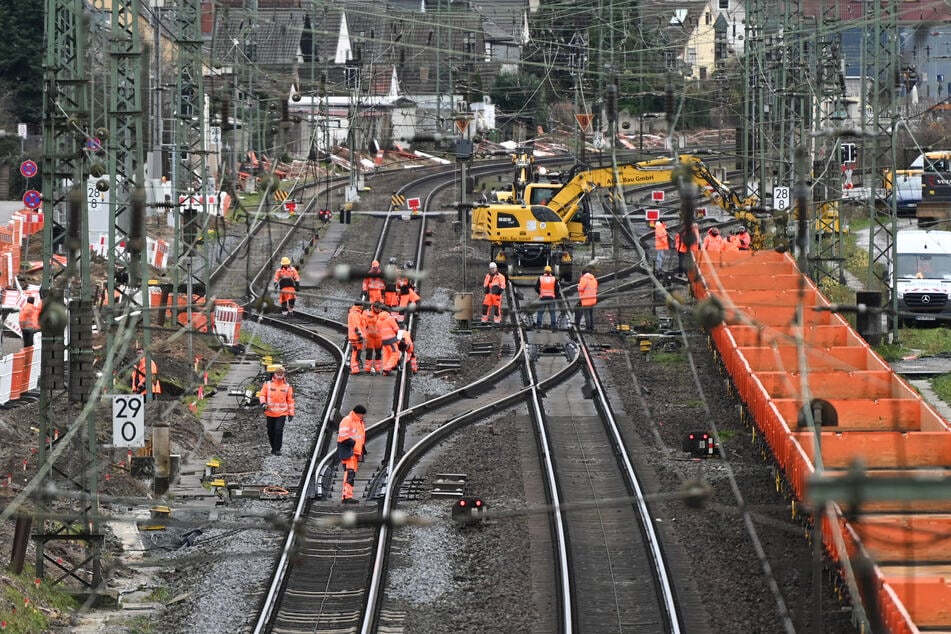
[538,223]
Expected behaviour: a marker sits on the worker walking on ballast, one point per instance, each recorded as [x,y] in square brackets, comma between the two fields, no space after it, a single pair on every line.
[287,281]
[548,291]
[351,438]
[494,287]
[355,336]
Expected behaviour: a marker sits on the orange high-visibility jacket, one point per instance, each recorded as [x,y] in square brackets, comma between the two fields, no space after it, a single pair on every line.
[588,290]
[661,239]
[545,286]
[29,317]
[355,323]
[287,279]
[353,428]
[279,397]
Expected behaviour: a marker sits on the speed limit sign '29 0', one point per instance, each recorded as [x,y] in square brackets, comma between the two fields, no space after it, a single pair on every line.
[128,420]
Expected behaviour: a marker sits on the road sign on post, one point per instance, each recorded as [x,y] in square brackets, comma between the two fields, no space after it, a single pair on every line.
[28,169]
[32,199]
[584,120]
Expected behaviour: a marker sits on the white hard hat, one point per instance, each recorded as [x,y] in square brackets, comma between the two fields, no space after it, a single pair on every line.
[399,334]
[493,265]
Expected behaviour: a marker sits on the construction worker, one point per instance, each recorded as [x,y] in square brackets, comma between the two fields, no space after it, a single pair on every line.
[661,244]
[351,437]
[277,401]
[548,291]
[713,242]
[355,335]
[391,282]
[743,239]
[372,319]
[494,287]
[29,321]
[409,298]
[406,346]
[287,281]
[685,243]
[373,283]
[389,328]
[140,377]
[587,298]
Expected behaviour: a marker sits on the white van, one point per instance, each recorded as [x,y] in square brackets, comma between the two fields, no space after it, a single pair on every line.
[924,276]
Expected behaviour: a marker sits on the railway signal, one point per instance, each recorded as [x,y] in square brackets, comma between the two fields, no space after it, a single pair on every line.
[700,444]
[468,510]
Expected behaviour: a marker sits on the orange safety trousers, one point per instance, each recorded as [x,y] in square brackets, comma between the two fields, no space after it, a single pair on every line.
[374,344]
[356,347]
[391,356]
[350,466]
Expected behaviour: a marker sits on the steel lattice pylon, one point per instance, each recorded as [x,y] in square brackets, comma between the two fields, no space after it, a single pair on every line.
[881,98]
[189,171]
[126,240]
[67,443]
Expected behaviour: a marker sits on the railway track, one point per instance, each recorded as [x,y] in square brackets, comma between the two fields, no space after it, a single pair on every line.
[332,570]
[333,567]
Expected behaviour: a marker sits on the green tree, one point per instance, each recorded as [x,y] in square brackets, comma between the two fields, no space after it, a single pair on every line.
[21,62]
[519,94]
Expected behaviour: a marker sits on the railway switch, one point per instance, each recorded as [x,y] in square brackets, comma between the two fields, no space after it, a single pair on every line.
[700,444]
[468,510]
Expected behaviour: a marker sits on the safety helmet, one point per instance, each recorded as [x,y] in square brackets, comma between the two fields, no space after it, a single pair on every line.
[374,263]
[409,264]
[742,229]
[393,261]
[548,269]
[493,265]
[400,334]
[285,261]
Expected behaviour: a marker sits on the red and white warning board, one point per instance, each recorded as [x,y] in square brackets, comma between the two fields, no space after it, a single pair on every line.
[652,215]
[413,203]
[657,196]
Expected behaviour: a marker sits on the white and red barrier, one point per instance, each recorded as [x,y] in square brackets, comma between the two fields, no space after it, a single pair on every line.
[228,317]
[20,371]
[157,253]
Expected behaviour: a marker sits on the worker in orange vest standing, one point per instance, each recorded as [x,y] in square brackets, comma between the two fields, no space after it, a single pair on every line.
[389,329]
[277,401]
[661,245]
[685,243]
[406,346]
[287,281]
[587,298]
[140,377]
[351,439]
[713,241]
[392,279]
[373,284]
[494,287]
[374,342]
[355,335]
[409,298]
[29,321]
[744,239]
[548,291]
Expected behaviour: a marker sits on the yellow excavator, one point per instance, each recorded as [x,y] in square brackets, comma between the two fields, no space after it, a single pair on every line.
[525,238]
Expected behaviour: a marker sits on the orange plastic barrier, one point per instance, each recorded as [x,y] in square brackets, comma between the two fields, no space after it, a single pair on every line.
[19,369]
